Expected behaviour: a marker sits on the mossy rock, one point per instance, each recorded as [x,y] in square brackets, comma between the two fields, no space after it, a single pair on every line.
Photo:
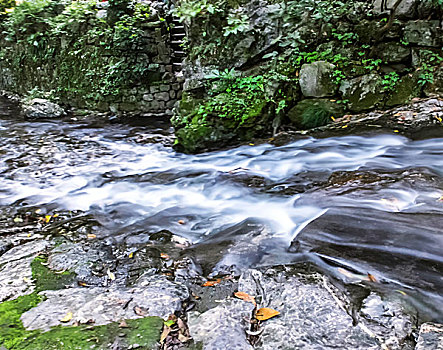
[46,279]
[363,93]
[313,113]
[405,90]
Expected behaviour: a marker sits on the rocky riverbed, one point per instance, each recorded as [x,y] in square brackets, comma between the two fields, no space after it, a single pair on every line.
[111,240]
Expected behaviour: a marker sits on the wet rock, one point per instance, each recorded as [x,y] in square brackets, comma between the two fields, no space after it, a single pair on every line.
[222,327]
[310,316]
[39,108]
[430,337]
[363,92]
[153,296]
[30,249]
[15,279]
[316,79]
[388,321]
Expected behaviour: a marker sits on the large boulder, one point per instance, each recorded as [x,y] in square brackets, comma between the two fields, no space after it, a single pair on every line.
[422,33]
[392,52]
[39,108]
[363,92]
[312,113]
[406,9]
[316,79]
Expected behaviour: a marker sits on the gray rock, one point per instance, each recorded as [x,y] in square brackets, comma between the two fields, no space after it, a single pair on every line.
[393,52]
[222,327]
[153,296]
[30,249]
[102,14]
[363,92]
[423,33]
[388,320]
[406,8]
[15,279]
[39,108]
[430,337]
[162,96]
[316,79]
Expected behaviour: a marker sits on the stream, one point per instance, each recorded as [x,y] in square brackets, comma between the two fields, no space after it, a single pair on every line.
[352,205]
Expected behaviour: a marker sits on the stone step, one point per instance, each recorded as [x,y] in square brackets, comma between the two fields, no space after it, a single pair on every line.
[176,42]
[180,35]
[179,53]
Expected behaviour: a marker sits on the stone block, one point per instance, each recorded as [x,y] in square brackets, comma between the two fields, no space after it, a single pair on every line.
[161,96]
[393,52]
[172,94]
[316,79]
[363,92]
[153,89]
[148,97]
[164,88]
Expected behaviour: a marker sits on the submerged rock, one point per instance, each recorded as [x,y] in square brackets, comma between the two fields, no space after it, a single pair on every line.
[39,108]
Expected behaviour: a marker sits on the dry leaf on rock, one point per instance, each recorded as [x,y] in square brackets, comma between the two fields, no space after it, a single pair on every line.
[140,311]
[211,283]
[265,313]
[67,318]
[246,297]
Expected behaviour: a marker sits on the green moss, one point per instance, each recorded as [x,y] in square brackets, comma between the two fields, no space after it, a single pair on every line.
[46,279]
[144,331]
[12,332]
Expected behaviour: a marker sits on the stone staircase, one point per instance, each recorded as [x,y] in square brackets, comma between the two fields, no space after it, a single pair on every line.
[177,35]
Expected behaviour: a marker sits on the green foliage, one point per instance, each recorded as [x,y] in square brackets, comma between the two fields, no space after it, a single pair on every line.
[237,23]
[429,60]
[371,64]
[390,81]
[345,38]
[5,5]
[92,58]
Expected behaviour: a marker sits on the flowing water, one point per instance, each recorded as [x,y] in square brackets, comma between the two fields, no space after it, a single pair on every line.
[352,205]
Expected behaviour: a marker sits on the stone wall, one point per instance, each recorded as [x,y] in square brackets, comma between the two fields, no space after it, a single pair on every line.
[90,63]
[317,60]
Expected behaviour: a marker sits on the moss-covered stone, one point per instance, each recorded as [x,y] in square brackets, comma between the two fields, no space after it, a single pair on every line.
[145,331]
[46,279]
[312,113]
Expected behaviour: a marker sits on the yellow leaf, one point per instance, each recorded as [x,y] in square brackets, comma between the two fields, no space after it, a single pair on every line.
[344,126]
[38,211]
[251,144]
[371,278]
[401,292]
[211,283]
[396,131]
[47,218]
[110,275]
[131,255]
[67,318]
[164,256]
[91,236]
[246,297]
[181,222]
[265,313]
[9,10]
[333,119]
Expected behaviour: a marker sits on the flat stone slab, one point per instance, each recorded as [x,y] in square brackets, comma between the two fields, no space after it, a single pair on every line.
[154,296]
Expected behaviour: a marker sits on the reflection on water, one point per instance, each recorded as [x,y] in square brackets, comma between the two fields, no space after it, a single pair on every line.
[370,204]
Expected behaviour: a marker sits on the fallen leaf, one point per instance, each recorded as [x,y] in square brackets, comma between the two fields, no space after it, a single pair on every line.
[196,297]
[165,333]
[344,126]
[18,220]
[82,284]
[396,131]
[333,119]
[48,218]
[164,256]
[371,278]
[67,318]
[401,292]
[211,283]
[140,311]
[110,275]
[265,313]
[181,222]
[169,323]
[91,236]
[131,255]
[246,297]
[123,324]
